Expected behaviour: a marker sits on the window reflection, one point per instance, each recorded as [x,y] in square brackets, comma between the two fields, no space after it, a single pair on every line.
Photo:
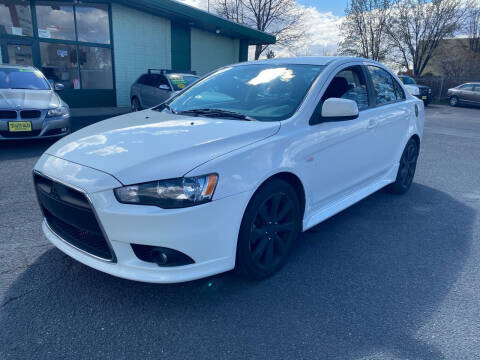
[55,20]
[59,63]
[15,18]
[92,23]
[96,67]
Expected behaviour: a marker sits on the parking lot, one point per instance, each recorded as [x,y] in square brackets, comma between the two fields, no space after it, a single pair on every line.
[391,277]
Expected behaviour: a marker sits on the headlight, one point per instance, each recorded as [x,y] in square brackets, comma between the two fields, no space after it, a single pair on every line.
[170,194]
[429,91]
[59,111]
[413,90]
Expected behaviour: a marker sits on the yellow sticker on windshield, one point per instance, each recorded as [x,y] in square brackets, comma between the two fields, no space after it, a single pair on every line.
[181,85]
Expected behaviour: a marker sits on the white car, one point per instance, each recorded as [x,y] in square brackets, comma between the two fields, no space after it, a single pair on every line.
[228,173]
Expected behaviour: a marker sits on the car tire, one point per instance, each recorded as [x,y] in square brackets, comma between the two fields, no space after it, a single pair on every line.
[453,101]
[136,105]
[406,169]
[270,227]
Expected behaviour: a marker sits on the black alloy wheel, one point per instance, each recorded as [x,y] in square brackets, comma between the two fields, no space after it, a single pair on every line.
[407,167]
[270,226]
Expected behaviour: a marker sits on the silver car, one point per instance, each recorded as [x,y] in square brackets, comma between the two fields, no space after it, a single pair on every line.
[156,86]
[468,94]
[29,105]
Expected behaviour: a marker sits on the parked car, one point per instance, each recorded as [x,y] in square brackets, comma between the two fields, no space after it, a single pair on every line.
[29,105]
[229,172]
[422,92]
[468,94]
[156,86]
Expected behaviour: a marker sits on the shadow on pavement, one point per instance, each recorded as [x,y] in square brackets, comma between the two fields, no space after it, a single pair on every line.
[358,285]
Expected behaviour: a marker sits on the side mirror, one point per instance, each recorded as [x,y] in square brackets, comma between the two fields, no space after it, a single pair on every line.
[336,109]
[164,87]
[59,86]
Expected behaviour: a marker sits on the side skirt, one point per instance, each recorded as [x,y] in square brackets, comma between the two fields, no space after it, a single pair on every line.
[335,207]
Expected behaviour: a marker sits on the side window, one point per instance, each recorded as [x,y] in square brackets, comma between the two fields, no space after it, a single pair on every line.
[142,80]
[466,87]
[399,93]
[349,84]
[157,80]
[477,88]
[385,87]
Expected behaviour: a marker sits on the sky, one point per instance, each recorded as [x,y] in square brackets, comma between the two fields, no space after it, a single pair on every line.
[321,21]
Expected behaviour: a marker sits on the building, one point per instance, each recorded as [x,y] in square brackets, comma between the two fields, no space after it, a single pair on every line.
[97,49]
[455,58]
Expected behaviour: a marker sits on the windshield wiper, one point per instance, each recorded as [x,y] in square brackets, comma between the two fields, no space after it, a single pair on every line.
[164,106]
[217,113]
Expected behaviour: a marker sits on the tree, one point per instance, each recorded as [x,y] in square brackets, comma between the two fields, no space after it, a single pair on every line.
[270,54]
[282,18]
[364,29]
[418,27]
[473,27]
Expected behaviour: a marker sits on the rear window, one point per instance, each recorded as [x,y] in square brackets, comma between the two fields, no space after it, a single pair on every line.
[32,79]
[180,81]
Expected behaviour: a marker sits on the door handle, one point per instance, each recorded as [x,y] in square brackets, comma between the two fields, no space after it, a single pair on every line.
[372,124]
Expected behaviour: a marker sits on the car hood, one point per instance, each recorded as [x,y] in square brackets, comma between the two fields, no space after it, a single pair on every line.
[28,99]
[151,145]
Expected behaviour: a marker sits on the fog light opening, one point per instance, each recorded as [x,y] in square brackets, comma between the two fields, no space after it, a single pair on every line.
[163,257]
[159,257]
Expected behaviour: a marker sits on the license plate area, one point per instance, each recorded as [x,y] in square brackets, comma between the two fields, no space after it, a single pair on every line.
[19,126]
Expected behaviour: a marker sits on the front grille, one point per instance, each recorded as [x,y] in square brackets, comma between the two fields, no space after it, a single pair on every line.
[20,134]
[30,114]
[8,114]
[69,214]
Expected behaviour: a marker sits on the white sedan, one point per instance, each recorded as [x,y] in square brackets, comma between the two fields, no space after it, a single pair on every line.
[228,173]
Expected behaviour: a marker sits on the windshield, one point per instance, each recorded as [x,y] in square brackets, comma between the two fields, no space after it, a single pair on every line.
[408,80]
[13,78]
[261,92]
[180,81]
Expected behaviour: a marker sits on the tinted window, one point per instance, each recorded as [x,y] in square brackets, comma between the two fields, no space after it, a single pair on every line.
[96,67]
[59,63]
[11,78]
[349,84]
[92,23]
[15,18]
[407,80]
[55,20]
[477,88]
[385,89]
[142,80]
[179,81]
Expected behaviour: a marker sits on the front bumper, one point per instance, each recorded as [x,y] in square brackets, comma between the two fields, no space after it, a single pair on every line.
[207,233]
[43,128]
[425,97]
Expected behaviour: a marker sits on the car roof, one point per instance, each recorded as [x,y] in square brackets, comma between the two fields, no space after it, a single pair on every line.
[309,60]
[10,66]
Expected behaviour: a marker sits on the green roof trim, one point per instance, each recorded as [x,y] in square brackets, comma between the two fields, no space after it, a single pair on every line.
[190,16]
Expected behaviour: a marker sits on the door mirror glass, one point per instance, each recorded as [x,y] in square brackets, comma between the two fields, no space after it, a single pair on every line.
[336,109]
[164,87]
[59,86]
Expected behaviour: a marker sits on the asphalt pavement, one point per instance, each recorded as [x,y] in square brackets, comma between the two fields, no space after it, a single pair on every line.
[392,277]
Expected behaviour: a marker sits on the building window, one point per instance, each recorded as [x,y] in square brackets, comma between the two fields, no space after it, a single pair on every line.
[55,20]
[92,23]
[59,63]
[96,67]
[15,18]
